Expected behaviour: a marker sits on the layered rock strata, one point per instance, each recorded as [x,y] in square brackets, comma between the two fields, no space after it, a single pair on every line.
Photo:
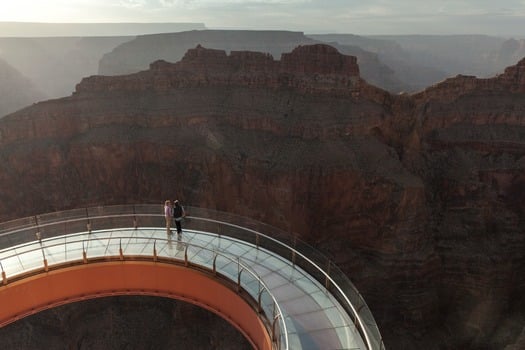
[416,198]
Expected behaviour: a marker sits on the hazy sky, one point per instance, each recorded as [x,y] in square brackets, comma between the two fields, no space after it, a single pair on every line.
[495,17]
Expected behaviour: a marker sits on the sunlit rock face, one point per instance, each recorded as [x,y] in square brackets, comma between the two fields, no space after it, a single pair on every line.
[418,198]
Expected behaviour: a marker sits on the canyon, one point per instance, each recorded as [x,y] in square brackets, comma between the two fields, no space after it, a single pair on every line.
[418,198]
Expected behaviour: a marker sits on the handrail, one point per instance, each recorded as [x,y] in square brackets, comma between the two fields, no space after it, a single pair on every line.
[270,315]
[274,240]
[295,252]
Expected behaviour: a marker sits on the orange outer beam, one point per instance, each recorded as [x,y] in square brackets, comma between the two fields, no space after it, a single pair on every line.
[66,285]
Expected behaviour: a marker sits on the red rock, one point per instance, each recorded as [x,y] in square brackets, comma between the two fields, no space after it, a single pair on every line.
[418,198]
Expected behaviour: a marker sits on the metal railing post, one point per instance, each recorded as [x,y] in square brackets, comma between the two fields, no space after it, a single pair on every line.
[327,277]
[155,250]
[84,253]
[88,225]
[46,267]
[276,317]
[239,280]
[4,278]
[259,299]
[294,240]
[135,224]
[120,250]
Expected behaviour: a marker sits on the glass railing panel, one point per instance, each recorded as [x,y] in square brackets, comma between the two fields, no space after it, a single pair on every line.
[250,283]
[74,250]
[148,221]
[227,267]
[32,260]
[53,229]
[113,210]
[96,248]
[11,265]
[169,248]
[9,226]
[54,250]
[152,209]
[105,223]
[80,213]
[267,304]
[20,237]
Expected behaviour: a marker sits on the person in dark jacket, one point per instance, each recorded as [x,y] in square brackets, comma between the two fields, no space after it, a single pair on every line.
[178,215]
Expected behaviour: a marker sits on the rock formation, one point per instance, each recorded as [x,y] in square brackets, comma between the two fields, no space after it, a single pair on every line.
[418,198]
[137,54]
[124,322]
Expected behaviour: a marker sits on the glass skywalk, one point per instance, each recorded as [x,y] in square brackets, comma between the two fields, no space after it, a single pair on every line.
[314,317]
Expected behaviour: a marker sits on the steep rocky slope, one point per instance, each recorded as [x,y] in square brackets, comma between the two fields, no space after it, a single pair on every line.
[16,91]
[124,322]
[417,198]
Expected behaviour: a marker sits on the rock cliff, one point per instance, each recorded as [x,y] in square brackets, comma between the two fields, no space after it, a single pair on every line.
[124,322]
[416,197]
[137,54]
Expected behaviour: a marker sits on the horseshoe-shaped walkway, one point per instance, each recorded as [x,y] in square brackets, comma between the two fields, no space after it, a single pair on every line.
[301,299]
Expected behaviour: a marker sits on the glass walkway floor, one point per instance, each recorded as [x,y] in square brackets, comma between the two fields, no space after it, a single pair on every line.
[310,314]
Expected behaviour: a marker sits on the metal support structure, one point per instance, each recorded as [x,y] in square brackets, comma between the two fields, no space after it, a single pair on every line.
[135,223]
[53,225]
[274,338]
[84,254]
[37,233]
[293,249]
[46,268]
[239,280]
[4,278]
[88,224]
[327,278]
[259,300]
[155,250]
[121,253]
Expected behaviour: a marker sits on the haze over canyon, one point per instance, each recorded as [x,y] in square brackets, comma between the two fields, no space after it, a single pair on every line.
[401,158]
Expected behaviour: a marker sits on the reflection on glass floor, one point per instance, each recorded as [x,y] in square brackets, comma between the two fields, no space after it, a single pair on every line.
[313,318]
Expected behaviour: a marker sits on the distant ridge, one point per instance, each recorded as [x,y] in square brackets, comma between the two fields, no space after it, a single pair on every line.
[37,29]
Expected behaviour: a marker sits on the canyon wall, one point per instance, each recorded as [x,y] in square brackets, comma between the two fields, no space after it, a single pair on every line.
[416,197]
